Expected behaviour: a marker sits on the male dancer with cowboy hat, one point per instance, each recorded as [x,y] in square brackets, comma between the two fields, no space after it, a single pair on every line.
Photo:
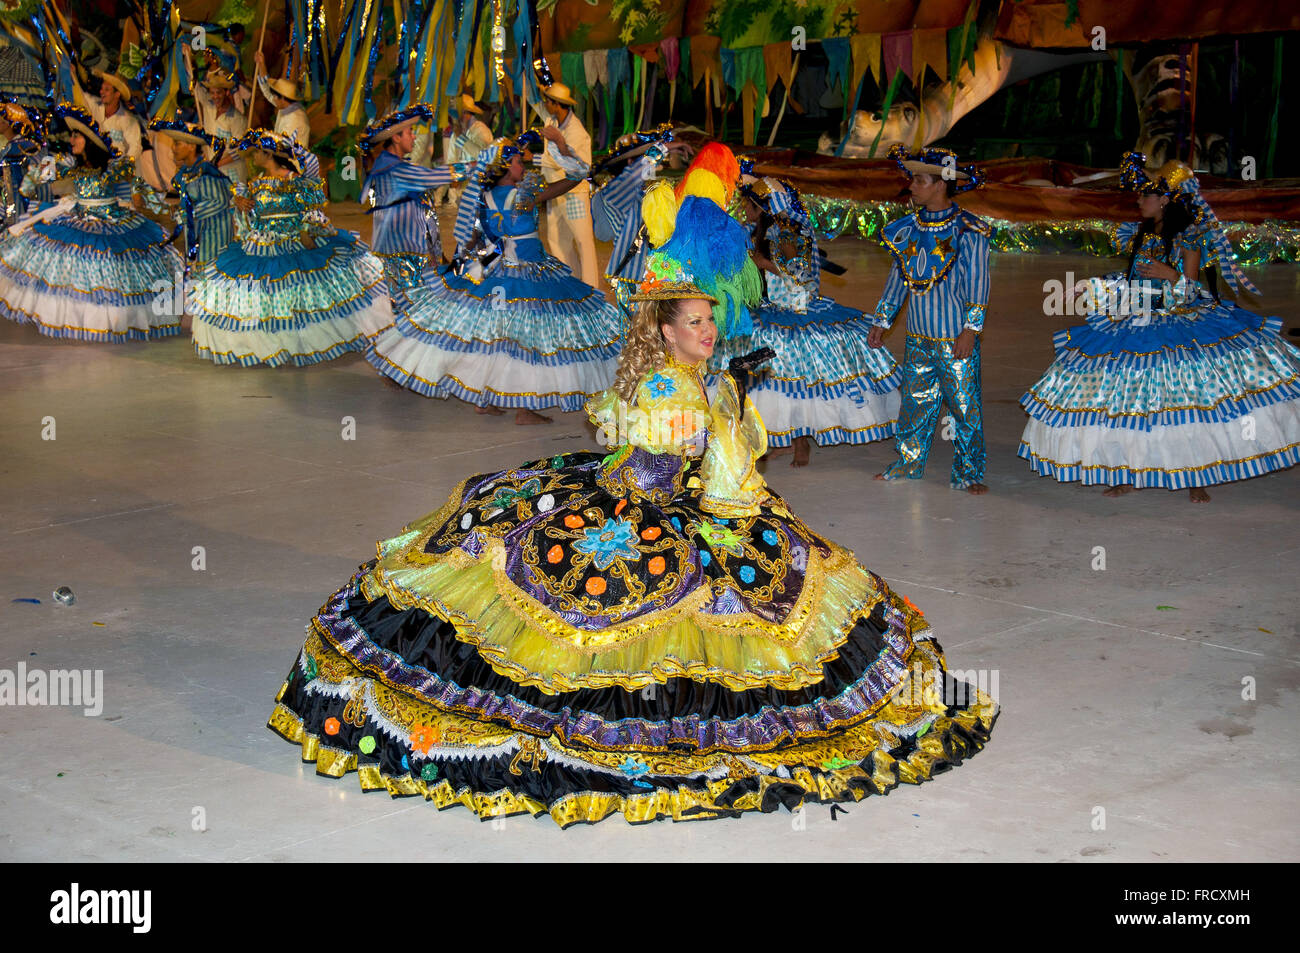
[205,204]
[215,102]
[396,192]
[111,111]
[941,269]
[569,234]
[465,138]
[290,115]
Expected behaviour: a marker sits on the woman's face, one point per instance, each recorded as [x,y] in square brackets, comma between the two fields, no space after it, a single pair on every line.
[1152,206]
[262,160]
[691,334]
[78,144]
[751,213]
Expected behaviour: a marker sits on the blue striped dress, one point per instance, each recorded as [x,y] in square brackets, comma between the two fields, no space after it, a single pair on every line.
[1169,387]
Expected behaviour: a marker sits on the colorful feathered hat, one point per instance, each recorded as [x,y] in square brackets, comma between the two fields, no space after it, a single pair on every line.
[937,161]
[700,251]
[275,143]
[79,120]
[385,127]
[1177,180]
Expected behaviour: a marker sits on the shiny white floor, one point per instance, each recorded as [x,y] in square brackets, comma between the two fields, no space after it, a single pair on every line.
[1109,701]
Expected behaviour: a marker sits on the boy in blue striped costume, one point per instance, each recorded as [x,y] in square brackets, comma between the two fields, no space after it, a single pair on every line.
[397,193]
[941,259]
[206,210]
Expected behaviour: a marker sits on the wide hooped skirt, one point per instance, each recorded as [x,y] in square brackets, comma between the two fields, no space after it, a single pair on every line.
[547,644]
[527,335]
[825,382]
[279,303]
[1172,400]
[107,275]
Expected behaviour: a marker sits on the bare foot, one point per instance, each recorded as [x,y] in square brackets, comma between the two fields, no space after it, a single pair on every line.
[494,411]
[779,451]
[389,382]
[802,452]
[881,477]
[1198,494]
[525,417]
[977,488]
[1119,490]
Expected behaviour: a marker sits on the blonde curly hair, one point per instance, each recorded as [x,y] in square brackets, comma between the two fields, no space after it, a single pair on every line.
[645,350]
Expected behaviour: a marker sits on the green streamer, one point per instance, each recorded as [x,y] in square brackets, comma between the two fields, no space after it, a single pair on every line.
[884,109]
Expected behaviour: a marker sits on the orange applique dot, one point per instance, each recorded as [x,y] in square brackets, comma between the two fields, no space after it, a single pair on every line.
[656,566]
[555,554]
[331,726]
[651,533]
[595,586]
[620,507]
[574,521]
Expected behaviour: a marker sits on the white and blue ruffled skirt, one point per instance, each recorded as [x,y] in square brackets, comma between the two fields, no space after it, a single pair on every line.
[273,301]
[825,382]
[101,274]
[1178,398]
[528,334]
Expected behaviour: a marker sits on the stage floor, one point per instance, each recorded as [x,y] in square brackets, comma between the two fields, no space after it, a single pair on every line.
[1122,689]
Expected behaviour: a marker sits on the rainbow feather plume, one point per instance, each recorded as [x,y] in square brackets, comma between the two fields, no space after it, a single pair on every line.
[715,248]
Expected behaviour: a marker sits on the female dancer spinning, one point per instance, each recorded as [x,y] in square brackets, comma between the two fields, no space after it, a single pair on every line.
[89,267]
[651,633]
[1166,385]
[508,325]
[290,290]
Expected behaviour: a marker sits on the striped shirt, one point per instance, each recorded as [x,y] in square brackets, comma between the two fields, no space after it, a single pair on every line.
[394,193]
[616,217]
[940,261]
[206,210]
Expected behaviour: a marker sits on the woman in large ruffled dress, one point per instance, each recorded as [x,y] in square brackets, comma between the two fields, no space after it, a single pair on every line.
[825,383]
[520,331]
[291,290]
[89,267]
[649,633]
[1166,385]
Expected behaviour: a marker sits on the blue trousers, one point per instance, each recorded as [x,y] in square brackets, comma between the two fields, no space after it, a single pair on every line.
[932,377]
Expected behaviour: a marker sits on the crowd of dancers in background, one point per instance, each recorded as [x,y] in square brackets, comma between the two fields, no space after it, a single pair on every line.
[1166,385]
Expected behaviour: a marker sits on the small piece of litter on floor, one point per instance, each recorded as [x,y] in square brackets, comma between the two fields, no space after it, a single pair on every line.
[1166,608]
[32,601]
[99,623]
[1264,630]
